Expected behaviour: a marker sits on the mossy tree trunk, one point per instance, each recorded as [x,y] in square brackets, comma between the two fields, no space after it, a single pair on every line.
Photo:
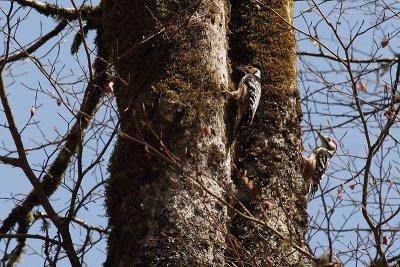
[170,88]
[270,150]
[174,83]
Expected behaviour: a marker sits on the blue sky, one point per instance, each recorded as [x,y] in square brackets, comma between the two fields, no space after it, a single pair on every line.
[23,79]
[51,120]
[327,83]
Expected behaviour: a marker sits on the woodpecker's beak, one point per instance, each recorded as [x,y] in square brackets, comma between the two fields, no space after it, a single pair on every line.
[242,69]
[322,138]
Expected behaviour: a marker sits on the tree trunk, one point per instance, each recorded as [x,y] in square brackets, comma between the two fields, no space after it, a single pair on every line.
[170,210]
[173,92]
[269,151]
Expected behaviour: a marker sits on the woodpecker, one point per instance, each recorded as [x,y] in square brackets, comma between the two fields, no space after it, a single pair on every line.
[247,97]
[317,163]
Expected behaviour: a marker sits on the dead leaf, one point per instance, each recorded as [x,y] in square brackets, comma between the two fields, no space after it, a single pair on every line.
[108,87]
[268,205]
[385,41]
[340,193]
[362,86]
[269,262]
[250,184]
[207,131]
[246,181]
[390,112]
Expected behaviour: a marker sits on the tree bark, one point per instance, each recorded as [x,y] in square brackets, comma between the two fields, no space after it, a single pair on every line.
[270,150]
[173,92]
[171,211]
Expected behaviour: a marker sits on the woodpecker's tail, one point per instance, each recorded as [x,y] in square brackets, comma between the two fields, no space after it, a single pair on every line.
[312,191]
[244,121]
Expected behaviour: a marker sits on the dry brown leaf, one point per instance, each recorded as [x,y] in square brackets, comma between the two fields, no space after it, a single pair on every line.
[390,112]
[269,262]
[207,131]
[385,41]
[340,193]
[268,205]
[246,181]
[362,86]
[108,87]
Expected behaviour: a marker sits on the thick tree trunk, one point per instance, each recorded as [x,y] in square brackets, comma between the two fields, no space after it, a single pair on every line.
[170,88]
[174,82]
[270,150]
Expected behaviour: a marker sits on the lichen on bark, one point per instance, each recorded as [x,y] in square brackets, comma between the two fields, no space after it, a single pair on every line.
[172,83]
[170,88]
[270,150]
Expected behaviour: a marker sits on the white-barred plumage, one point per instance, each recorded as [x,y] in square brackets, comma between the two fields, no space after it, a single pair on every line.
[317,163]
[248,95]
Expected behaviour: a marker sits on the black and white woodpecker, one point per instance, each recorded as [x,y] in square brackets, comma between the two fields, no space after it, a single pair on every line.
[317,163]
[247,95]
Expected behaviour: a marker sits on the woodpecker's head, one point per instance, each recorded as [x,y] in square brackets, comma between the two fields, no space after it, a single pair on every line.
[327,142]
[250,69]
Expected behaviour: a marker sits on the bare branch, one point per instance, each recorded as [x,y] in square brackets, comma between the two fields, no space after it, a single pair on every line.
[36,45]
[90,13]
[352,60]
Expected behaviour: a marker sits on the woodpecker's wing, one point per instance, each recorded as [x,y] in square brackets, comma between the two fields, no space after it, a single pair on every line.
[251,98]
[241,95]
[254,93]
[322,158]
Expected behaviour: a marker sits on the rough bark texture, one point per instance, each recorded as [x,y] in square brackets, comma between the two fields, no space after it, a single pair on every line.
[270,150]
[158,215]
[171,87]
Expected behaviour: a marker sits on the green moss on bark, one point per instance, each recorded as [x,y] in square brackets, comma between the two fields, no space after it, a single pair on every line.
[173,85]
[270,149]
